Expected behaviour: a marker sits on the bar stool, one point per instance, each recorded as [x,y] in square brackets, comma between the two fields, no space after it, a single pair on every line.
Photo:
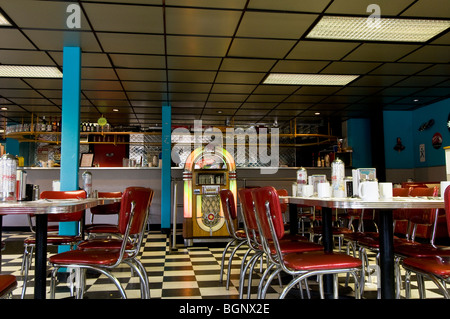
[7,284]
[54,239]
[104,255]
[301,265]
[238,236]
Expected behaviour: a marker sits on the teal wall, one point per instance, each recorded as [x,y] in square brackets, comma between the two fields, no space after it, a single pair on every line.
[359,138]
[405,124]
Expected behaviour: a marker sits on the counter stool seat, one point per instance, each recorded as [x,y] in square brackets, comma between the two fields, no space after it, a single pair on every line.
[7,284]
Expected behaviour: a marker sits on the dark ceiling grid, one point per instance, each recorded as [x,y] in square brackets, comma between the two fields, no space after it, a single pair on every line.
[431,81]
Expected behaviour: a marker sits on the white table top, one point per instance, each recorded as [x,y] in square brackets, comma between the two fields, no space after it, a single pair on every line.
[357,203]
[52,206]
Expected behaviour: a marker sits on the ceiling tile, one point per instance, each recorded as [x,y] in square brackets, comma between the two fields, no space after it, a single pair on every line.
[13,39]
[125,18]
[274,25]
[246,64]
[131,43]
[321,50]
[429,54]
[239,77]
[195,21]
[197,46]
[141,75]
[260,48]
[359,7]
[380,52]
[290,5]
[55,40]
[293,66]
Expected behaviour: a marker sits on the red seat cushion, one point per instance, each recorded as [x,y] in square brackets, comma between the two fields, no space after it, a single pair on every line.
[422,250]
[55,240]
[102,228]
[102,244]
[336,230]
[320,260]
[436,265]
[94,257]
[374,242]
[7,283]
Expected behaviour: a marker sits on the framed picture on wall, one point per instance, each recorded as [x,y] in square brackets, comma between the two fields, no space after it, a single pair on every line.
[87,159]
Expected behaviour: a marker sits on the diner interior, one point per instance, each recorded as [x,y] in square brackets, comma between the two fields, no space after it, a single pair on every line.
[351,78]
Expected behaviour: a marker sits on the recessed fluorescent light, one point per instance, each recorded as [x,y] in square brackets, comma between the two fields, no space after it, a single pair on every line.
[309,79]
[29,71]
[115,110]
[4,21]
[4,108]
[381,29]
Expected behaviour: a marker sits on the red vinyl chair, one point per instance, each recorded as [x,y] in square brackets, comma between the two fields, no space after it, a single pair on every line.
[301,265]
[371,241]
[93,229]
[7,284]
[238,236]
[290,243]
[103,255]
[52,238]
[434,264]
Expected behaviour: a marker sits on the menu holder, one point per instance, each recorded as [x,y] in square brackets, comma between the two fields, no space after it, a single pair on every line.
[87,159]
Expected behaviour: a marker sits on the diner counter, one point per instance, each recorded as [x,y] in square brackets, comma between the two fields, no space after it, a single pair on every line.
[109,179]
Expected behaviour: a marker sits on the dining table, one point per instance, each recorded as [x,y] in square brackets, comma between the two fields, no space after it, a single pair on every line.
[41,209]
[385,227]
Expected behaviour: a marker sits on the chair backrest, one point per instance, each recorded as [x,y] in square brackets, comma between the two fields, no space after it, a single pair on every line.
[267,201]
[283,192]
[67,217]
[401,191]
[108,209]
[229,209]
[447,207]
[142,198]
[248,211]
[423,216]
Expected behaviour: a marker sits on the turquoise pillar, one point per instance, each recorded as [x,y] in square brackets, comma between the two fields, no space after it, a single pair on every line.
[166,177]
[70,128]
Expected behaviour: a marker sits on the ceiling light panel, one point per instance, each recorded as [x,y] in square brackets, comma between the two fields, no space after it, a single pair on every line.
[309,79]
[377,29]
[4,21]
[29,71]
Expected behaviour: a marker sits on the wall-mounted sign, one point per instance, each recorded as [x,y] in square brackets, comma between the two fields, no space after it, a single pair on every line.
[422,153]
[437,140]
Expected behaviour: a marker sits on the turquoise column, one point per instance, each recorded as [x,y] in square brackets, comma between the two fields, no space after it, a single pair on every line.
[166,164]
[70,128]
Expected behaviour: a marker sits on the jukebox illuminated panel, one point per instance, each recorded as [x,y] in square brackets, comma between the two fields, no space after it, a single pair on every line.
[207,172]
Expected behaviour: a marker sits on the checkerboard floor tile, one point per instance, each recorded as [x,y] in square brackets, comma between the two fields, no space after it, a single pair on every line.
[184,272]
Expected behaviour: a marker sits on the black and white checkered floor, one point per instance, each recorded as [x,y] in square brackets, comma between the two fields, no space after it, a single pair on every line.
[183,273]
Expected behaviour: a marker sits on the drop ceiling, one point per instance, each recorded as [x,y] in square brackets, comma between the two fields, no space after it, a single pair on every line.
[208,60]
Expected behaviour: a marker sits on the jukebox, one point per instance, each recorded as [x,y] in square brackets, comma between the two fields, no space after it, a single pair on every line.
[207,171]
